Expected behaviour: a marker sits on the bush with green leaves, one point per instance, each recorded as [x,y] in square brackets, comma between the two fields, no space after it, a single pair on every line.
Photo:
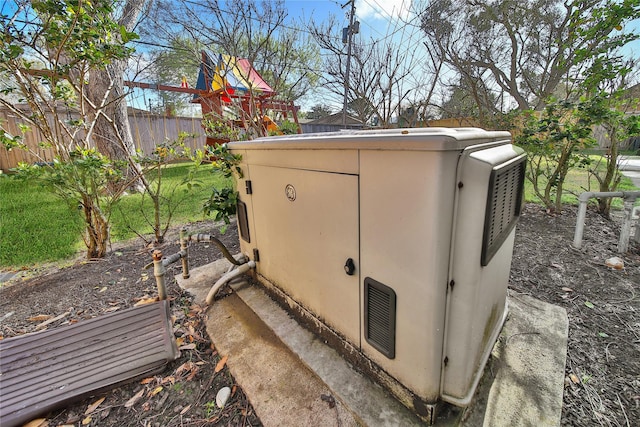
[165,198]
[222,202]
[609,112]
[288,127]
[555,141]
[50,51]
[83,181]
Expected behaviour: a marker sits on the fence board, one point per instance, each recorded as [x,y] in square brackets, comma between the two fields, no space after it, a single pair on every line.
[147,130]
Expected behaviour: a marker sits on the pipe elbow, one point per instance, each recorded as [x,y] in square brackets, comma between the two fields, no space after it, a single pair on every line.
[227,278]
[584,197]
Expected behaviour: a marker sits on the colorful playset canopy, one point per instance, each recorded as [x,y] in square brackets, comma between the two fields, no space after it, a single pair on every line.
[231,76]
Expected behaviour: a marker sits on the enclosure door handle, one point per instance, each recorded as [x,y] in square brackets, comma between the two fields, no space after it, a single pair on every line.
[349,267]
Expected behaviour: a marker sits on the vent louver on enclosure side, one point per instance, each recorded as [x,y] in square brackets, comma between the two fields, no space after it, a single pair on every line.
[243,221]
[380,317]
[503,205]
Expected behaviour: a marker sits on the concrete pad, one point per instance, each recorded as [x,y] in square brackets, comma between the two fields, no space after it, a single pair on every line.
[523,382]
[528,363]
[282,390]
[201,279]
[369,401]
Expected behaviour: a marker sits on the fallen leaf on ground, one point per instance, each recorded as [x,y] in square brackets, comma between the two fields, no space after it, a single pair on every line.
[564,288]
[589,304]
[39,422]
[171,380]
[221,364]
[39,318]
[147,380]
[144,301]
[94,405]
[185,367]
[187,347]
[86,421]
[179,341]
[156,391]
[53,319]
[574,378]
[134,399]
[184,411]
[193,373]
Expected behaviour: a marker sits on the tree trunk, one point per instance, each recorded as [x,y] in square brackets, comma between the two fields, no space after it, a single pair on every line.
[611,179]
[115,139]
[97,231]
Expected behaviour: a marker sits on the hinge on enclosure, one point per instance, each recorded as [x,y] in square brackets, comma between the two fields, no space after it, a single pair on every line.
[247,186]
[256,255]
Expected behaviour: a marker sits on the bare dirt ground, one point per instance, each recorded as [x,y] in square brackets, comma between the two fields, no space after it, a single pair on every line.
[602,384]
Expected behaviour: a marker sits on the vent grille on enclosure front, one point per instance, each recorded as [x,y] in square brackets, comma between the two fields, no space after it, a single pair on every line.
[243,221]
[380,317]
[503,205]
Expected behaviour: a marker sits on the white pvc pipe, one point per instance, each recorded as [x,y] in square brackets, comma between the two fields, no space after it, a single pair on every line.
[583,199]
[228,277]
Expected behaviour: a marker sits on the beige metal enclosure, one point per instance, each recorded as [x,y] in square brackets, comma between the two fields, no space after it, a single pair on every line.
[399,241]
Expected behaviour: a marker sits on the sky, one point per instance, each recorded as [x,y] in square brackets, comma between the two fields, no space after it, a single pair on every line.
[365,9]
[376,16]
[378,19]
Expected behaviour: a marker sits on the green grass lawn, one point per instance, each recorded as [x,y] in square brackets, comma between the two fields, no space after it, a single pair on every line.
[576,183]
[37,227]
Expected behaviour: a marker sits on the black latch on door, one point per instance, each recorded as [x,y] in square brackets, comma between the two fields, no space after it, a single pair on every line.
[349,267]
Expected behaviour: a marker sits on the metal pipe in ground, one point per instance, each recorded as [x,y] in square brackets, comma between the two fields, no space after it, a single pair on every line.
[625,231]
[159,270]
[184,248]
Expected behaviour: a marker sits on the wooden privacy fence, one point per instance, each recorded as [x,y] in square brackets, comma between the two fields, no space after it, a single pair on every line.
[147,129]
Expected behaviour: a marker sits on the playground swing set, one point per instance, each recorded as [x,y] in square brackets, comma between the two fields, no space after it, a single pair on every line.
[233,96]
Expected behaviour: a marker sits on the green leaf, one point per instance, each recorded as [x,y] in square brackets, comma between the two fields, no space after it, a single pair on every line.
[589,304]
[603,335]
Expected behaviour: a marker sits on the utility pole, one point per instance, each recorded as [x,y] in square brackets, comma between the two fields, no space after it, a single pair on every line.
[350,32]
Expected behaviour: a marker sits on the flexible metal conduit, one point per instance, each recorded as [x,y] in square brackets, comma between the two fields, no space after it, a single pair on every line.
[629,198]
[227,278]
[209,238]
